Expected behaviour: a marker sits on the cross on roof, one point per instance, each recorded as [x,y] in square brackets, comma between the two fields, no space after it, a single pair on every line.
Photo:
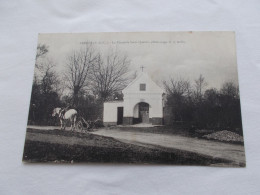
[142,67]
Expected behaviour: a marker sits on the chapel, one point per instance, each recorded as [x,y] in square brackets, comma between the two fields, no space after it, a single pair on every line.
[142,103]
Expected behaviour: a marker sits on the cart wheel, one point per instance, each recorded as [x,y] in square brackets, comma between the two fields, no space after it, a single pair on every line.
[80,126]
[93,127]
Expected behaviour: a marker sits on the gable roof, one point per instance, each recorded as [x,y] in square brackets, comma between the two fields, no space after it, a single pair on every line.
[142,78]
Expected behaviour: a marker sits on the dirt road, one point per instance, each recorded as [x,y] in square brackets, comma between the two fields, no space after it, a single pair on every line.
[48,144]
[213,149]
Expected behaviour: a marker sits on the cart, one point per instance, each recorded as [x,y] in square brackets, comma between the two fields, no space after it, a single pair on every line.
[86,125]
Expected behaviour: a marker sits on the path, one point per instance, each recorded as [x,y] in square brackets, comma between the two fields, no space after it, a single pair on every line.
[214,149]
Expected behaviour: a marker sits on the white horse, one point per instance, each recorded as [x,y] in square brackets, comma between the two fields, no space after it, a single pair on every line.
[64,115]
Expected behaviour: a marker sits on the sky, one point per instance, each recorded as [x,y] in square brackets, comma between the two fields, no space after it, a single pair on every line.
[163,54]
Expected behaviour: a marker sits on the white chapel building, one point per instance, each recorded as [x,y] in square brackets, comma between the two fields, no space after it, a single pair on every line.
[143,103]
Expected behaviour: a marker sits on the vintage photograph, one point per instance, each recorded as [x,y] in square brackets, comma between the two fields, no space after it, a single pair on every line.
[136,98]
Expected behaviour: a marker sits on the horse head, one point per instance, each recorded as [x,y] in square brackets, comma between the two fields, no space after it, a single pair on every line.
[56,112]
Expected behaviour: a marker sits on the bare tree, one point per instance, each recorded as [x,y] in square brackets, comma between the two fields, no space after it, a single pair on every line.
[179,87]
[48,77]
[78,69]
[230,89]
[200,85]
[178,92]
[45,91]
[109,75]
[42,50]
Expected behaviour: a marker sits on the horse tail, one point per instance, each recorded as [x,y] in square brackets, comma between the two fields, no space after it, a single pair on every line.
[74,120]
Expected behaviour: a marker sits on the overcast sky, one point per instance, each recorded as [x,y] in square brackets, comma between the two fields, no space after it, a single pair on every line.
[164,55]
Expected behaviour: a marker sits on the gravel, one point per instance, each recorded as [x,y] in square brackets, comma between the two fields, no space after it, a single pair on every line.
[225,136]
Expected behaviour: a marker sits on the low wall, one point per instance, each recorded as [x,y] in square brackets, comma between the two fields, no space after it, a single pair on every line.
[108,124]
[156,121]
[128,120]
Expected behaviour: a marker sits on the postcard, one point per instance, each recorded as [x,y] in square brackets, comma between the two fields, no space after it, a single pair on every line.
[138,97]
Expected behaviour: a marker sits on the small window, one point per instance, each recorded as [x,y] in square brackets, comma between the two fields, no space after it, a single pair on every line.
[142,87]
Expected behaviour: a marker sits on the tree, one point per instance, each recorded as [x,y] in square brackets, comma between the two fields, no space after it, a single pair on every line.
[78,69]
[208,111]
[200,85]
[48,79]
[45,90]
[109,75]
[42,50]
[178,97]
[212,96]
[230,89]
[179,87]
[230,105]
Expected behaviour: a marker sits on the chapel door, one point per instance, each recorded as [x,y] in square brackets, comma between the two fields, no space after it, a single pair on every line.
[144,112]
[144,116]
[120,111]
